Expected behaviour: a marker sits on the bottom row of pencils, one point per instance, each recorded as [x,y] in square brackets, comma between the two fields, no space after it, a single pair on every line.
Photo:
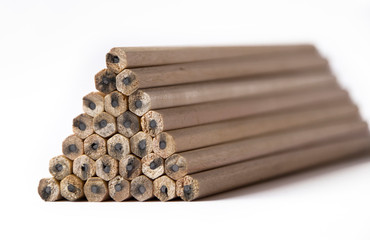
[206,183]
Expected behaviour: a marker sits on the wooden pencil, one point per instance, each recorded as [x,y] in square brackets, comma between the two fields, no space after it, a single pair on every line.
[180,95]
[130,167]
[120,58]
[72,147]
[128,124]
[118,146]
[141,188]
[164,188]
[104,124]
[95,146]
[49,189]
[84,167]
[105,81]
[106,167]
[83,126]
[141,144]
[164,145]
[178,165]
[96,190]
[93,103]
[130,80]
[115,103]
[198,114]
[152,165]
[214,133]
[71,188]
[60,167]
[119,189]
[248,172]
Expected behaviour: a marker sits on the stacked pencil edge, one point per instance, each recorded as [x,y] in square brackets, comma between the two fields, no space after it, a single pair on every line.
[190,122]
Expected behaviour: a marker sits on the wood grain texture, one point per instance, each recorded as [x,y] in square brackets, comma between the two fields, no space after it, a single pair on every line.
[130,167]
[141,188]
[105,81]
[119,189]
[164,188]
[118,146]
[119,58]
[60,167]
[248,172]
[152,165]
[128,124]
[93,103]
[71,188]
[115,103]
[49,189]
[210,91]
[96,190]
[104,124]
[141,144]
[95,146]
[214,133]
[213,70]
[228,153]
[198,114]
[83,126]
[106,167]
[84,167]
[72,147]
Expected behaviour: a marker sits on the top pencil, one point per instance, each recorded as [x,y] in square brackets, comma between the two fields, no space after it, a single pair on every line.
[120,58]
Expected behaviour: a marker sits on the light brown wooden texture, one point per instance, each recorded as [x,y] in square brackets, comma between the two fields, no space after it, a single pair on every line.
[129,80]
[128,124]
[104,124]
[228,153]
[187,94]
[187,116]
[71,188]
[96,190]
[83,126]
[120,58]
[105,81]
[130,167]
[119,189]
[72,147]
[248,172]
[115,103]
[219,132]
[141,188]
[95,146]
[49,189]
[106,167]
[164,188]
[93,103]
[152,165]
[84,167]
[60,167]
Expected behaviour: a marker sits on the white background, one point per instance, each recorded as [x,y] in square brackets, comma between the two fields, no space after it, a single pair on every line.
[49,53]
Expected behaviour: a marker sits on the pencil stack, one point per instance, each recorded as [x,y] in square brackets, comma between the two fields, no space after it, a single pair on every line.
[190,122]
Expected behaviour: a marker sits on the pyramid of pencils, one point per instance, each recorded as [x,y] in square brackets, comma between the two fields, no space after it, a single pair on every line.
[190,122]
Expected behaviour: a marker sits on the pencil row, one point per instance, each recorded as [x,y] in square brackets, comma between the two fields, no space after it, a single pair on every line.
[208,182]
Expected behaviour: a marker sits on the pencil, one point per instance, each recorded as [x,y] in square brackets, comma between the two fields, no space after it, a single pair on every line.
[93,103]
[164,188]
[82,126]
[60,167]
[141,144]
[139,102]
[106,167]
[84,167]
[248,172]
[120,58]
[228,153]
[210,91]
[214,133]
[119,189]
[118,146]
[105,81]
[72,147]
[198,114]
[152,123]
[164,145]
[96,190]
[71,188]
[128,124]
[130,167]
[49,189]
[104,124]
[141,188]
[95,146]
[152,165]
[129,80]
[115,103]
